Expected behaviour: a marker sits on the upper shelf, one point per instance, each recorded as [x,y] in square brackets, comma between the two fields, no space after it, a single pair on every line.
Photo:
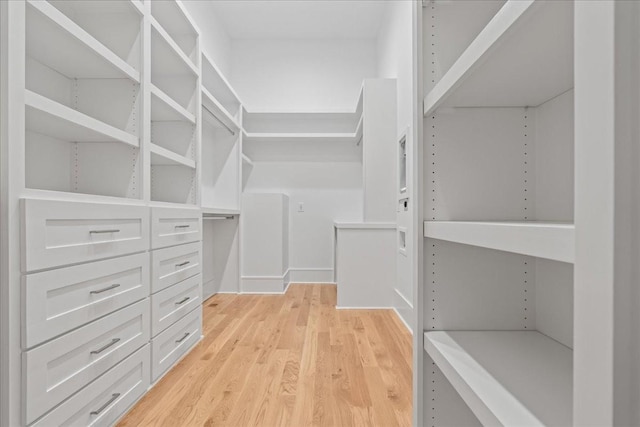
[302,146]
[523,57]
[66,124]
[167,57]
[509,378]
[218,87]
[56,41]
[219,112]
[548,240]
[160,156]
[164,108]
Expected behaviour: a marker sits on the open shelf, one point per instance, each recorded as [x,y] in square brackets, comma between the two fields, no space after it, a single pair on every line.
[221,115]
[210,211]
[218,87]
[523,57]
[299,137]
[50,118]
[247,160]
[162,157]
[173,18]
[507,378]
[302,146]
[59,43]
[171,59]
[548,240]
[164,108]
[312,122]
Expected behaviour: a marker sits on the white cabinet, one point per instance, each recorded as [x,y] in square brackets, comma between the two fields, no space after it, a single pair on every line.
[105,400]
[175,226]
[57,369]
[168,347]
[58,301]
[265,242]
[57,233]
[171,304]
[171,265]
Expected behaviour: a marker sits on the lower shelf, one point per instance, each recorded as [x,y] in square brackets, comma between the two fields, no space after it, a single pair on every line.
[507,378]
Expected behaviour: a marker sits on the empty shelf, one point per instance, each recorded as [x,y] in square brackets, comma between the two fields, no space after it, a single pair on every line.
[510,378]
[56,41]
[219,211]
[217,109]
[218,86]
[299,137]
[164,108]
[61,122]
[553,241]
[523,57]
[166,56]
[247,160]
[160,156]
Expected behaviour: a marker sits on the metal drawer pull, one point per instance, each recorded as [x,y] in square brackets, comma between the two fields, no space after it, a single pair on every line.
[183,226]
[185,299]
[182,264]
[104,231]
[108,288]
[114,396]
[184,337]
[106,346]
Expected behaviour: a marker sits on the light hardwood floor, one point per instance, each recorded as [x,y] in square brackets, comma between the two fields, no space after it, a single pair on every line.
[287,360]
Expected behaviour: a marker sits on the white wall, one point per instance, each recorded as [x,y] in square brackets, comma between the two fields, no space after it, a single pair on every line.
[305,75]
[330,192]
[395,61]
[214,39]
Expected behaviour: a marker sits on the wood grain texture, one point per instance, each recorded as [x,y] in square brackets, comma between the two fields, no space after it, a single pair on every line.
[287,360]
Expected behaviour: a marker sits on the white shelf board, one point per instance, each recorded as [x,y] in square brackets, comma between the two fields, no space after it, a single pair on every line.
[550,240]
[366,225]
[160,156]
[56,41]
[216,83]
[219,211]
[121,7]
[298,137]
[523,57]
[61,122]
[164,108]
[510,378]
[247,160]
[173,17]
[166,56]
[216,108]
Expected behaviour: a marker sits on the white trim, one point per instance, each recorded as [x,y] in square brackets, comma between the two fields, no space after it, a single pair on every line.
[410,304]
[404,322]
[286,288]
[311,269]
[295,282]
[364,308]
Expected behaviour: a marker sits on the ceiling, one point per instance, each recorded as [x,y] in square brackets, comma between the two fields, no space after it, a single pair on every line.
[300,19]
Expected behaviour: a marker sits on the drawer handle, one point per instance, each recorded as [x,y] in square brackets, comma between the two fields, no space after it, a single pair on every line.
[108,288]
[114,396]
[183,226]
[185,299]
[104,231]
[182,264]
[184,337]
[106,346]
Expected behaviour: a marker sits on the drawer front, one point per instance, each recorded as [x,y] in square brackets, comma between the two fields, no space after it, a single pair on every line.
[175,226]
[173,303]
[103,401]
[174,264]
[57,369]
[173,343]
[57,233]
[58,301]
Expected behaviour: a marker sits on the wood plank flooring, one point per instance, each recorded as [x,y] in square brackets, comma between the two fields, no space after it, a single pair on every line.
[287,360]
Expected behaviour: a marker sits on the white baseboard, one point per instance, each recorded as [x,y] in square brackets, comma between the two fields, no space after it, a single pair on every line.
[362,308]
[402,299]
[404,321]
[403,308]
[265,284]
[311,275]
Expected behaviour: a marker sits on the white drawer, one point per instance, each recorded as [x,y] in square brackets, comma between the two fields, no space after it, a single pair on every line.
[174,264]
[173,343]
[57,369]
[173,303]
[57,233]
[175,226]
[103,401]
[58,301]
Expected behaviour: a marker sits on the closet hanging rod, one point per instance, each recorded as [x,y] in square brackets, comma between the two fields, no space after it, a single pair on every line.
[219,121]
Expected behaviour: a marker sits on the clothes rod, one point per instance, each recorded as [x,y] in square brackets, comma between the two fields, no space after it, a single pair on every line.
[219,121]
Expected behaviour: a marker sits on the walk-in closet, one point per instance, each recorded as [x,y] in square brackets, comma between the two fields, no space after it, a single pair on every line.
[319,212]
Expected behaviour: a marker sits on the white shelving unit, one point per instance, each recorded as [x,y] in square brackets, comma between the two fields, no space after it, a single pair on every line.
[510,378]
[498,214]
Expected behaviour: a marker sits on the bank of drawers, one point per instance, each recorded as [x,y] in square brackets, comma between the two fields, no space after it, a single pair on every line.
[94,295]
